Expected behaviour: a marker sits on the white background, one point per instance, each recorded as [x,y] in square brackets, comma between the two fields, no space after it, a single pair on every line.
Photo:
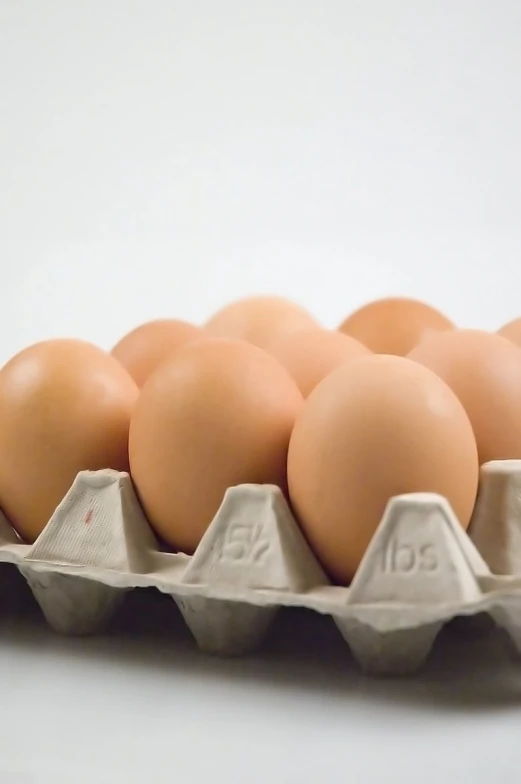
[159,158]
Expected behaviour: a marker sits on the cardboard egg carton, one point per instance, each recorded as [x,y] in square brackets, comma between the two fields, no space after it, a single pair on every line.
[420,570]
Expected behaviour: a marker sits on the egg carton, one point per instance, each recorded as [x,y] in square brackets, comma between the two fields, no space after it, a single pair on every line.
[420,570]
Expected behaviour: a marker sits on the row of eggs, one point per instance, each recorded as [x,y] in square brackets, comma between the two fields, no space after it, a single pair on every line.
[396,400]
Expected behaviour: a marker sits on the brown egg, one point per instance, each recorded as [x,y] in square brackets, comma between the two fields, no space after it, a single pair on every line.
[512,331]
[377,427]
[259,320]
[142,350]
[484,370]
[218,414]
[394,325]
[65,406]
[312,354]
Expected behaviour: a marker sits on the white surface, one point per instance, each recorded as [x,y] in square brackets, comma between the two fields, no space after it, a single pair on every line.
[156,710]
[159,158]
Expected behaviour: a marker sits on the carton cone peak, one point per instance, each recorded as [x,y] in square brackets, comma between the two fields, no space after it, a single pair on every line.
[495,528]
[254,542]
[99,524]
[419,555]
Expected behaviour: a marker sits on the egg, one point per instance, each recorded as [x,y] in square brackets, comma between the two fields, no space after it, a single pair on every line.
[218,414]
[144,348]
[65,406]
[484,371]
[377,427]
[394,325]
[259,320]
[512,331]
[310,355]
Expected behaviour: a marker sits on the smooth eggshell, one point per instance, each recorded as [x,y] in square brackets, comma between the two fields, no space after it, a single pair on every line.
[143,349]
[219,413]
[512,331]
[394,325]
[311,355]
[375,428]
[484,370]
[259,320]
[65,406]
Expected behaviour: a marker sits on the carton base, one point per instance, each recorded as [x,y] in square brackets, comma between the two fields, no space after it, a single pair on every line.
[507,615]
[388,653]
[225,628]
[72,605]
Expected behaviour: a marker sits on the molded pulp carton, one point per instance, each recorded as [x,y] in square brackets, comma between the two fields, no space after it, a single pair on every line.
[420,570]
